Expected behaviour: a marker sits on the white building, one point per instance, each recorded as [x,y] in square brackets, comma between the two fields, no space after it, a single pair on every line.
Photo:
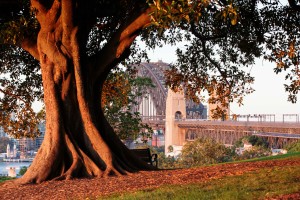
[11,153]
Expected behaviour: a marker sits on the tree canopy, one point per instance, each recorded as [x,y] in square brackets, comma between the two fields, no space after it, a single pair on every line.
[223,40]
[70,46]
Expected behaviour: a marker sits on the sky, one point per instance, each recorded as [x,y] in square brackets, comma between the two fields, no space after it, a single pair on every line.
[269,96]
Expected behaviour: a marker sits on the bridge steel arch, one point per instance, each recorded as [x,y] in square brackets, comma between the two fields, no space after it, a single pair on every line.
[153,107]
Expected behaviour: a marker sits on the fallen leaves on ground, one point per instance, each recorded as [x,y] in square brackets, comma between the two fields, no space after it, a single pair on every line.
[145,180]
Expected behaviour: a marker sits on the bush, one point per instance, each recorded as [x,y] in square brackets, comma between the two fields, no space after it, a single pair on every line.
[204,151]
[22,171]
[167,162]
[293,147]
[253,140]
[255,152]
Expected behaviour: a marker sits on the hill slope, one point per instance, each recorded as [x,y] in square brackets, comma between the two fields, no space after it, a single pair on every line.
[148,181]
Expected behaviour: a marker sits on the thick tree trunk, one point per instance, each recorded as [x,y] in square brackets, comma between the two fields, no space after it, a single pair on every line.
[79,141]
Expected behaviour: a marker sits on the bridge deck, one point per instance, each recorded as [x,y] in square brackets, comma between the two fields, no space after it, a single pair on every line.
[278,135]
[191,122]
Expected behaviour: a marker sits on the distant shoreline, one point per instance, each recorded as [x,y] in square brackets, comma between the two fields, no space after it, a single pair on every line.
[17,160]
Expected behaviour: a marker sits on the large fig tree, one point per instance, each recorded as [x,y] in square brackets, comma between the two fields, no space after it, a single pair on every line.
[78,142]
[77,43]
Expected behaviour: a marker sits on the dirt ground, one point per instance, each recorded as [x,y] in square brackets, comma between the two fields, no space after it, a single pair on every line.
[97,187]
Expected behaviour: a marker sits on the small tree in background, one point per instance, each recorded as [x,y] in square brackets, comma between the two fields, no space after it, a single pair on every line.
[254,152]
[253,140]
[204,151]
[167,162]
[260,147]
[22,171]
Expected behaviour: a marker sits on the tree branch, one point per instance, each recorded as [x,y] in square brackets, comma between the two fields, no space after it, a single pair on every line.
[41,9]
[120,42]
[67,10]
[213,62]
[206,38]
[30,46]
[294,5]
[13,95]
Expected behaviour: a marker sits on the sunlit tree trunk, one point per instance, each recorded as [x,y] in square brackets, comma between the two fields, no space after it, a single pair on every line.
[78,141]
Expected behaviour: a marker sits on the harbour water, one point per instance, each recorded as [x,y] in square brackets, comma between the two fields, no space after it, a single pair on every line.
[4,166]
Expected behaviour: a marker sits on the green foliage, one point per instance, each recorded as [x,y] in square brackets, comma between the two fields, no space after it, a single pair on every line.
[276,157]
[170,148]
[254,141]
[22,171]
[167,162]
[239,143]
[223,40]
[24,24]
[260,147]
[254,152]
[204,151]
[174,12]
[120,94]
[217,53]
[5,178]
[293,147]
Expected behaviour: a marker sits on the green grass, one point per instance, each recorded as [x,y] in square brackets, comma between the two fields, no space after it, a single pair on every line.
[277,157]
[5,178]
[253,185]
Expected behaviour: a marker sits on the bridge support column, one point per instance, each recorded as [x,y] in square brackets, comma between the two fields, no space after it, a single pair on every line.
[175,110]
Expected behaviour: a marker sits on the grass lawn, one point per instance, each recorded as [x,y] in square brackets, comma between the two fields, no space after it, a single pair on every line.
[5,178]
[277,157]
[253,185]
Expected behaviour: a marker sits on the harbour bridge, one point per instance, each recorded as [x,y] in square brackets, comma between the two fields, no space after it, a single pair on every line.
[181,120]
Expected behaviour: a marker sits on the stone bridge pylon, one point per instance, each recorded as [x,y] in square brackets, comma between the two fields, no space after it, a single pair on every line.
[175,110]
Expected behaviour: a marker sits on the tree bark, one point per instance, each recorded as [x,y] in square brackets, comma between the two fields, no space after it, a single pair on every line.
[79,142]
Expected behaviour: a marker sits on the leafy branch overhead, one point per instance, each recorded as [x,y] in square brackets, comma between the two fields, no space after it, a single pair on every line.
[120,95]
[223,38]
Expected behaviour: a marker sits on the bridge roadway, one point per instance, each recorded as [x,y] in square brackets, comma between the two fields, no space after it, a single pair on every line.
[247,125]
[275,129]
[263,129]
[278,134]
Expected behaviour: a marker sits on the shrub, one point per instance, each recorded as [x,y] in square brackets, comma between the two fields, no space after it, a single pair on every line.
[253,140]
[167,162]
[22,171]
[204,151]
[255,152]
[293,147]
